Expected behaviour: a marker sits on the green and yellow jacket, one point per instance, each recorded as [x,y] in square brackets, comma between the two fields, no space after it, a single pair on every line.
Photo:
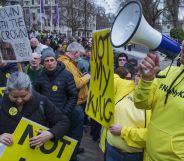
[165,97]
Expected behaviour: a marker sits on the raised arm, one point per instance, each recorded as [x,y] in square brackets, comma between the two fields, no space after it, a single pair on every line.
[144,92]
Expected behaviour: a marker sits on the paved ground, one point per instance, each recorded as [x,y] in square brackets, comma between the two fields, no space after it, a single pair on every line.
[92,151]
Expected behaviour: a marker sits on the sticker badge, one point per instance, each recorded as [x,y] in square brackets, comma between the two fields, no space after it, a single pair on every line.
[7,75]
[54,88]
[13,111]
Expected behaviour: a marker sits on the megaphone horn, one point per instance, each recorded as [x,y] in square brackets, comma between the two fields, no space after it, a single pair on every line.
[131,26]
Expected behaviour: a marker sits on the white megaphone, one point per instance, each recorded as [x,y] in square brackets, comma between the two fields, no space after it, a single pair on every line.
[130,25]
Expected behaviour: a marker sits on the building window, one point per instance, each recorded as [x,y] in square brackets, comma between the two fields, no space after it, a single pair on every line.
[27,10]
[14,3]
[33,2]
[26,3]
[34,16]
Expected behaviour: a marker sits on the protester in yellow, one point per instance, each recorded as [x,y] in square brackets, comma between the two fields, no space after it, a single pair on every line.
[127,136]
[164,96]
[81,80]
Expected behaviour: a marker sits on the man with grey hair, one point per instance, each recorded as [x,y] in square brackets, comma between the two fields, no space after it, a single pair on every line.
[81,80]
[36,46]
[34,67]
[75,47]
[21,101]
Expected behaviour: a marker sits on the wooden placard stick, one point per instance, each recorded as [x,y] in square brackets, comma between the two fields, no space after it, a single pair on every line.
[19,65]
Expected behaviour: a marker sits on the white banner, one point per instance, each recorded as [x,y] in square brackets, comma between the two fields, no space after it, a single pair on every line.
[14,42]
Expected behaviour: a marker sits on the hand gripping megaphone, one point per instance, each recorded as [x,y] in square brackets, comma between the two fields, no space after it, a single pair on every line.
[131,26]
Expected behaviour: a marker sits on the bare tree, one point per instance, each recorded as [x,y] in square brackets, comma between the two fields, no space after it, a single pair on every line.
[173,9]
[102,20]
[77,14]
[152,11]
[70,15]
[88,14]
[28,18]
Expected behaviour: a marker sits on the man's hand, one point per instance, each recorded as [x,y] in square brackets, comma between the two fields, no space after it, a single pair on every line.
[6,139]
[87,76]
[41,139]
[149,67]
[115,129]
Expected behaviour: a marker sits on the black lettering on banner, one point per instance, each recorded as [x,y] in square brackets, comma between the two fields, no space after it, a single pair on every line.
[4,25]
[99,102]
[90,101]
[48,151]
[28,132]
[65,142]
[9,12]
[13,34]
[106,80]
[11,21]
[53,148]
[18,22]
[106,102]
[12,29]
[55,145]
[21,48]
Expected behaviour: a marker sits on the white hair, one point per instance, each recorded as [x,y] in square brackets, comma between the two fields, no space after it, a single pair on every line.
[75,47]
[19,80]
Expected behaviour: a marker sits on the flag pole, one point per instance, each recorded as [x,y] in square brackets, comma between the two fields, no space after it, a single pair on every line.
[41,14]
[51,16]
[57,18]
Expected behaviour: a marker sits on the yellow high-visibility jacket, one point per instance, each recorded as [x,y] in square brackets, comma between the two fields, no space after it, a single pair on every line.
[134,137]
[165,98]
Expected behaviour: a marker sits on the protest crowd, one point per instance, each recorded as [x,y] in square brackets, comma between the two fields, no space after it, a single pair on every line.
[53,89]
[60,71]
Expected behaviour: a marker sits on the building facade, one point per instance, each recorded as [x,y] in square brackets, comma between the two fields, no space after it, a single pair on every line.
[75,16]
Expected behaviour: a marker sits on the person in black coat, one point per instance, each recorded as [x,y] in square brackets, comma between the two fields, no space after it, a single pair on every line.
[22,101]
[56,83]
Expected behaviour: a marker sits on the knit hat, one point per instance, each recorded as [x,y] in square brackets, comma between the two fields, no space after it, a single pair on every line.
[47,52]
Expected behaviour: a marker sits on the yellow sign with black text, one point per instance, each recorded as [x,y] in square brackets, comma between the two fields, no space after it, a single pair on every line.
[100,103]
[51,151]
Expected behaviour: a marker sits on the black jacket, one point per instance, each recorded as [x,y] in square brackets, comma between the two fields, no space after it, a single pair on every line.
[59,86]
[38,109]
[5,71]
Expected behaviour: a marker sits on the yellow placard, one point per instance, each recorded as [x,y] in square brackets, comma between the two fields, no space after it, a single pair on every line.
[2,89]
[50,151]
[100,103]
